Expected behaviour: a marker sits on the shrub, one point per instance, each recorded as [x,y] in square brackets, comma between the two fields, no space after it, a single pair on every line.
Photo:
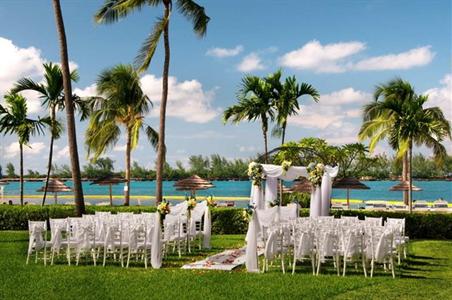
[421,225]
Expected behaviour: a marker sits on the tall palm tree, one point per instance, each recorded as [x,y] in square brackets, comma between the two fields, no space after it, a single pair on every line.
[394,115]
[255,103]
[113,10]
[422,126]
[52,95]
[286,102]
[71,130]
[14,120]
[389,98]
[122,103]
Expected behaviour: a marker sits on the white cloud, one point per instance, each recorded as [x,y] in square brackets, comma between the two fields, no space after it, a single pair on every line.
[339,57]
[88,91]
[321,58]
[206,134]
[15,63]
[119,148]
[31,149]
[62,153]
[405,60]
[442,96]
[331,111]
[345,96]
[225,52]
[251,62]
[187,100]
[248,149]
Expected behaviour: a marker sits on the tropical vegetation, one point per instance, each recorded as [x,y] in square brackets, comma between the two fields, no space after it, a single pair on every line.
[122,103]
[52,96]
[69,107]
[113,10]
[14,120]
[399,115]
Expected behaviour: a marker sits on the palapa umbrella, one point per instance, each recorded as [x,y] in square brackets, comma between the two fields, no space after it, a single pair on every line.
[109,180]
[55,186]
[193,184]
[349,183]
[302,185]
[405,186]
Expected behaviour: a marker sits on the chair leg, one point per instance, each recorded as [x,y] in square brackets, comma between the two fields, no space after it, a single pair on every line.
[392,267]
[372,268]
[68,255]
[293,265]
[77,258]
[105,256]
[345,266]
[364,265]
[338,263]
[313,264]
[121,257]
[52,256]
[128,258]
[318,265]
[45,255]
[28,257]
[36,257]
[94,257]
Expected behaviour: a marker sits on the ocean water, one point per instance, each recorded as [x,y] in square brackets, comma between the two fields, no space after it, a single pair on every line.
[379,190]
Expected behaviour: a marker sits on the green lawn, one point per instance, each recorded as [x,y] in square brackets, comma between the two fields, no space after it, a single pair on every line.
[427,274]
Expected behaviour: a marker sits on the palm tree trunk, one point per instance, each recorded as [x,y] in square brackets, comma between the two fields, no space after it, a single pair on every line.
[21,173]
[410,177]
[127,183]
[49,164]
[72,137]
[405,177]
[264,132]
[283,135]
[161,142]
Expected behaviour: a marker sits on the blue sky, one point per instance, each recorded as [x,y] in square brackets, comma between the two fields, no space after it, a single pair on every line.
[343,48]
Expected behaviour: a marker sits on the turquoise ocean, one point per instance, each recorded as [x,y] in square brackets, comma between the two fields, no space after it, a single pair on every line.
[379,190]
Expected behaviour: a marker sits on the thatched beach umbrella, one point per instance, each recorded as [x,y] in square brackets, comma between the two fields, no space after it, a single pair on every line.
[302,185]
[403,186]
[349,183]
[55,186]
[110,181]
[193,184]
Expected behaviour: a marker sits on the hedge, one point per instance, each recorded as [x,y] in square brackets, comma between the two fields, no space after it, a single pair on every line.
[425,225]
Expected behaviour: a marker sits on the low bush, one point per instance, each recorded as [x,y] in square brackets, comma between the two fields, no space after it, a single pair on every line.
[425,225]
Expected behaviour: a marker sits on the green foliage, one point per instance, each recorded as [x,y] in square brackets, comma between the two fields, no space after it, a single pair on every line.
[101,168]
[423,225]
[63,171]
[10,170]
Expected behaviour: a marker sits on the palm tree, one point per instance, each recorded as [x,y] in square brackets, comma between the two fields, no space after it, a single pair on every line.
[113,10]
[389,98]
[398,115]
[71,131]
[123,102]
[51,93]
[256,98]
[286,102]
[14,120]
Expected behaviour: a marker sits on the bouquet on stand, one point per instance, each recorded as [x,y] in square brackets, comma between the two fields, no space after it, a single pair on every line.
[256,173]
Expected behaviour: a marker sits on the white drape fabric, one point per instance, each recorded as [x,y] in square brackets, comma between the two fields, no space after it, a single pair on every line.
[326,187]
[156,247]
[271,189]
[251,262]
[320,201]
[207,230]
[257,197]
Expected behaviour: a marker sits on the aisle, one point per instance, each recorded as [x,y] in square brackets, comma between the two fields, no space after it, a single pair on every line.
[224,261]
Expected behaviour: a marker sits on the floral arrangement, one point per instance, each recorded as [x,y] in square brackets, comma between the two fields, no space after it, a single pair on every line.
[211,201]
[191,203]
[286,166]
[163,208]
[315,173]
[247,213]
[256,173]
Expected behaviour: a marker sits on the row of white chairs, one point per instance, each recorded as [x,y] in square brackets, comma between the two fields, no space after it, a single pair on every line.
[120,236]
[343,241]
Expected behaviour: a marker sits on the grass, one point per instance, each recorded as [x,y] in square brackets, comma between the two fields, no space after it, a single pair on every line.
[427,274]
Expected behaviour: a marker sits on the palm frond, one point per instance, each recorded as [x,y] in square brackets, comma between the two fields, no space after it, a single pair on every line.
[152,136]
[147,50]
[196,14]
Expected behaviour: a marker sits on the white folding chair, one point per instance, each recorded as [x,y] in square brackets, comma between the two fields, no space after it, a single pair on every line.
[37,231]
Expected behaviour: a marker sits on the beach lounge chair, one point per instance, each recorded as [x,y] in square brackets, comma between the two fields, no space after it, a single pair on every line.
[440,204]
[420,205]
